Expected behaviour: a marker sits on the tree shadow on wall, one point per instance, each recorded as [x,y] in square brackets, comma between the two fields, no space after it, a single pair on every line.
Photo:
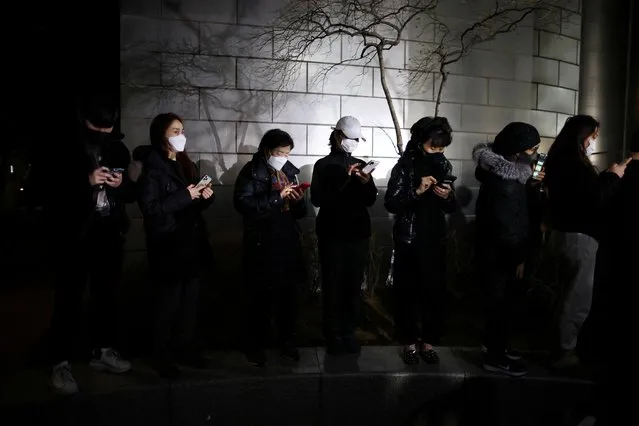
[161,74]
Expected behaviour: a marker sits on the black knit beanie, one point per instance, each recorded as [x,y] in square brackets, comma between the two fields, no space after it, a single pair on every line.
[516,137]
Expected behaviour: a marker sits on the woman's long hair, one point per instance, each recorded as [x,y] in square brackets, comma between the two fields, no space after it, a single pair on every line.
[568,152]
[159,141]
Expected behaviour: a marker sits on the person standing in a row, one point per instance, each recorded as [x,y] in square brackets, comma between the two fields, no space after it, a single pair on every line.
[343,194]
[176,236]
[88,221]
[577,196]
[504,170]
[420,199]
[267,196]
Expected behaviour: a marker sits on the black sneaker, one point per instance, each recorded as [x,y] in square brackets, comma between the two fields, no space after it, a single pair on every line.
[504,365]
[513,354]
[351,344]
[256,357]
[290,352]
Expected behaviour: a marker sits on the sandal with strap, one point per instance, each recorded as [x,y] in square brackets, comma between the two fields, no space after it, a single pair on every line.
[410,355]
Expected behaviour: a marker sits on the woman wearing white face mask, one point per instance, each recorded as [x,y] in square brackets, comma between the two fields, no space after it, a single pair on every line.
[271,202]
[176,239]
[343,194]
[577,194]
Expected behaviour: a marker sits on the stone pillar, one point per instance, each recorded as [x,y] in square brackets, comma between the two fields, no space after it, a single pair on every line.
[632,124]
[603,74]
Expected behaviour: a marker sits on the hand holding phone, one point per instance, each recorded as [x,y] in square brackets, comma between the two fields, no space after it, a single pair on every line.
[302,186]
[446,180]
[99,176]
[424,184]
[203,183]
[370,167]
[538,170]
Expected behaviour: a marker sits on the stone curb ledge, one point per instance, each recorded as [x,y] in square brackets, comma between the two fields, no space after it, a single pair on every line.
[374,388]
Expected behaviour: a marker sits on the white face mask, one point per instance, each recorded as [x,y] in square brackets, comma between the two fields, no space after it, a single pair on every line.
[349,145]
[591,148]
[178,142]
[277,162]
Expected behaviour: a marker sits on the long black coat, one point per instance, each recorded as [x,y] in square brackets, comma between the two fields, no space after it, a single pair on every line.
[175,230]
[272,238]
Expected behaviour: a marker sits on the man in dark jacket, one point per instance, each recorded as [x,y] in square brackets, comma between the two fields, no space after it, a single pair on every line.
[419,197]
[504,169]
[343,227]
[87,219]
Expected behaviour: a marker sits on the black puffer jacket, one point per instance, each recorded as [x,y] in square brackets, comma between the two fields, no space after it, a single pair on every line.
[402,200]
[502,205]
[343,200]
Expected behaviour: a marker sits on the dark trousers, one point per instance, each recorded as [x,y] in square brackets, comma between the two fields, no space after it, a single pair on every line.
[501,290]
[98,258]
[175,315]
[267,301]
[419,276]
[342,264]
[272,272]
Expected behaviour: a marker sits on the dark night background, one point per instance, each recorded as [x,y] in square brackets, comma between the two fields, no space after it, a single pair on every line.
[65,49]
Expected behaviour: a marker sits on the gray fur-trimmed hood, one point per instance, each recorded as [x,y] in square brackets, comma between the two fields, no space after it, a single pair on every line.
[493,163]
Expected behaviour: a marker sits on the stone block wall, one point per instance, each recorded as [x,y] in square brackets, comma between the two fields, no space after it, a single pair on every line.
[196,58]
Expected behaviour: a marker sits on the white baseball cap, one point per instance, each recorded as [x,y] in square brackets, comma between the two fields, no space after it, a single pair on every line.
[350,127]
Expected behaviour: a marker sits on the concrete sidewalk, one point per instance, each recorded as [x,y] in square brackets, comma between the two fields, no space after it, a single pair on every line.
[374,388]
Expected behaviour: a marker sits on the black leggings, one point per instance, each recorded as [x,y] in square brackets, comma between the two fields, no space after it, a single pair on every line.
[419,276]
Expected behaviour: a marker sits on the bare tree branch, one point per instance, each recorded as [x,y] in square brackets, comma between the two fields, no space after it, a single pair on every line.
[486,24]
[305,27]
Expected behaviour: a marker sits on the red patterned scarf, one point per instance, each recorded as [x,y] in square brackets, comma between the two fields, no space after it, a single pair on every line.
[279,181]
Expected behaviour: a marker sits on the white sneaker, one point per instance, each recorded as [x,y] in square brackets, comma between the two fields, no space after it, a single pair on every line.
[111,361]
[62,380]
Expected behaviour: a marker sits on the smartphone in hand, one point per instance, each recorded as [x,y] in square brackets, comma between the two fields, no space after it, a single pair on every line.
[539,165]
[302,186]
[203,183]
[116,170]
[447,180]
[370,167]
